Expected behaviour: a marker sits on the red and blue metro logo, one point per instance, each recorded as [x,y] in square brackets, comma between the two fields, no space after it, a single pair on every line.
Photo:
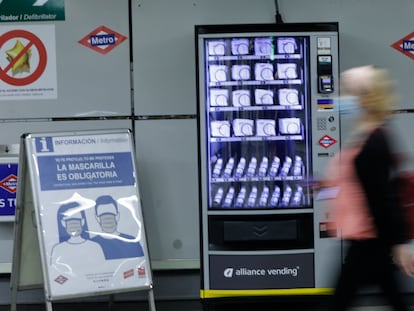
[405,45]
[9,183]
[102,40]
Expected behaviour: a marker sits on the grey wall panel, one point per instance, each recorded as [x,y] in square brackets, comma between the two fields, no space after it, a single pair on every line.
[164,51]
[88,83]
[366,33]
[167,170]
[10,132]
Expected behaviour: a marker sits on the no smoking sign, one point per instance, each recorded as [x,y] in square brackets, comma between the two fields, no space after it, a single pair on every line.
[30,49]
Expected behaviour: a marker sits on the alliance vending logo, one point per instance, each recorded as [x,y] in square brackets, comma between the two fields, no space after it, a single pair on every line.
[405,45]
[102,40]
[246,272]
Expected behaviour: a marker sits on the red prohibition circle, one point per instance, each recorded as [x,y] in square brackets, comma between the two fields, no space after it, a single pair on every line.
[33,40]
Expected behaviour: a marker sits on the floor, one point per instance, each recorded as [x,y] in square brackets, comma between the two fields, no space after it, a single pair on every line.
[311,305]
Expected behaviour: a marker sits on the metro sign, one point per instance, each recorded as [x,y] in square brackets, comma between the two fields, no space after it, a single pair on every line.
[405,45]
[327,141]
[9,183]
[102,40]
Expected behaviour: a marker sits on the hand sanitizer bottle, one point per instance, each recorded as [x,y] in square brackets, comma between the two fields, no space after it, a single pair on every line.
[263,166]
[251,169]
[274,168]
[240,197]
[251,201]
[217,168]
[274,200]
[229,168]
[240,168]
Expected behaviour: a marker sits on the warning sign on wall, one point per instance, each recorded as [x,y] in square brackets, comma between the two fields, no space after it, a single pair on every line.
[28,62]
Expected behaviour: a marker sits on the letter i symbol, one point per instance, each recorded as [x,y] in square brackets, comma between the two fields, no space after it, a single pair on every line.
[43,144]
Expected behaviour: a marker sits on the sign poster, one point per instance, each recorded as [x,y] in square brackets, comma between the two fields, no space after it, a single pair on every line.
[90,222]
[31,10]
[8,186]
[28,62]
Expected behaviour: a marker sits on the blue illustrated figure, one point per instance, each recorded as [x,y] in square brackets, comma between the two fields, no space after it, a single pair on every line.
[115,244]
[74,240]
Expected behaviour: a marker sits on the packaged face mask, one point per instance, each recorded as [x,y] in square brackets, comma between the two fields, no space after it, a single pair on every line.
[217,47]
[240,46]
[263,72]
[287,71]
[240,72]
[241,98]
[265,127]
[220,128]
[288,97]
[243,127]
[263,46]
[218,73]
[289,126]
[263,97]
[286,45]
[219,97]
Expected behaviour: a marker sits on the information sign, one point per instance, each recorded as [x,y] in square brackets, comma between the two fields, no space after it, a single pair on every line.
[88,215]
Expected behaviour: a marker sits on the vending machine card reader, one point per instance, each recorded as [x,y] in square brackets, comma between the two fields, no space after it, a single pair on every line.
[325,79]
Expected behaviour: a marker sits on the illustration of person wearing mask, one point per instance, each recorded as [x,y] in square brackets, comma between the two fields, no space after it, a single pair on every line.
[74,240]
[115,244]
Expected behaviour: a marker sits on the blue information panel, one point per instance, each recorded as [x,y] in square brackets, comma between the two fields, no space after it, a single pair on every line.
[8,187]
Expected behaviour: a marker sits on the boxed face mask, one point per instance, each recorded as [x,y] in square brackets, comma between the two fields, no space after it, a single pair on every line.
[288,97]
[240,46]
[217,47]
[220,128]
[243,127]
[263,72]
[263,97]
[265,127]
[241,98]
[218,73]
[240,72]
[287,71]
[289,126]
[263,46]
[286,45]
[219,97]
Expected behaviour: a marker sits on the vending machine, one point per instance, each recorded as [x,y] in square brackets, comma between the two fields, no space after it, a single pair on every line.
[267,126]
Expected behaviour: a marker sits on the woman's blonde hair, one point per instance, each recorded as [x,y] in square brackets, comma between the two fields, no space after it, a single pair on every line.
[374,89]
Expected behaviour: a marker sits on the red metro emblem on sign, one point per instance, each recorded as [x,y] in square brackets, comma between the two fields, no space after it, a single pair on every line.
[102,40]
[9,183]
[405,45]
[327,141]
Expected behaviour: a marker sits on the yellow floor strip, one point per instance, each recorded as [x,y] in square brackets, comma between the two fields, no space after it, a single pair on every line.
[264,292]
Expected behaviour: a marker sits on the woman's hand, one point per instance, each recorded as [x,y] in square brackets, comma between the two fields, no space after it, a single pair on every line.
[404,258]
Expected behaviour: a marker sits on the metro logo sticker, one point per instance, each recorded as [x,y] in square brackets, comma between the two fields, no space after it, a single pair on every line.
[327,141]
[9,183]
[102,40]
[405,45]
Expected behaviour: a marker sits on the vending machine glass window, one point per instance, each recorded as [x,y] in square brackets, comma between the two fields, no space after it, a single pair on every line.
[257,117]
